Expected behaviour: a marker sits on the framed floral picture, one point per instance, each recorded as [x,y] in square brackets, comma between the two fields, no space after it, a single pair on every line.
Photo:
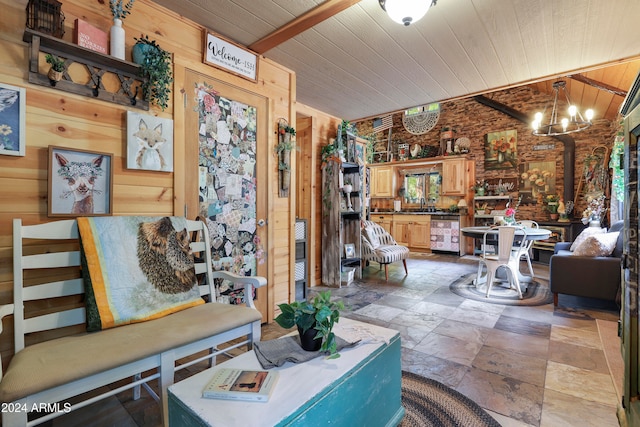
[501,150]
[80,182]
[12,120]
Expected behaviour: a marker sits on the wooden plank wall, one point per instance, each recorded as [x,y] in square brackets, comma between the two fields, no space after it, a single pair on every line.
[323,127]
[59,118]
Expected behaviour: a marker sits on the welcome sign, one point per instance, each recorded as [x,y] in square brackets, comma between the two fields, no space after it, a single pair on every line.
[230,57]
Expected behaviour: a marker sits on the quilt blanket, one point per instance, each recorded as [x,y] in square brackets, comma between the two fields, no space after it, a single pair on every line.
[136,269]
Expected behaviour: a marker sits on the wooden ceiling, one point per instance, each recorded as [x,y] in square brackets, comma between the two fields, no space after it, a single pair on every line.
[353,62]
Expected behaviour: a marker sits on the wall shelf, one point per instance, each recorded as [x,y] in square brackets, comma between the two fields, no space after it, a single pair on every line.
[99,67]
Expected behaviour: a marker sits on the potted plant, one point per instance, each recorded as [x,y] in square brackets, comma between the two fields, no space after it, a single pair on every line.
[480,187]
[551,202]
[57,68]
[155,67]
[315,320]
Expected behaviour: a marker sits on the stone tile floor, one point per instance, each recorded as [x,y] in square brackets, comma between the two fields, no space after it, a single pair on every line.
[527,366]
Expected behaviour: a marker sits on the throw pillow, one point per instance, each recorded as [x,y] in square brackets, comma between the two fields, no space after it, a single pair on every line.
[601,244]
[136,269]
[587,232]
[372,237]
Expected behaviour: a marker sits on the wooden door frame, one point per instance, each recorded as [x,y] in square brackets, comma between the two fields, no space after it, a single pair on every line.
[186,176]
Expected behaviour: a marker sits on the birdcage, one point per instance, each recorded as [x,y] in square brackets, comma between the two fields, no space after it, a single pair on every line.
[46,17]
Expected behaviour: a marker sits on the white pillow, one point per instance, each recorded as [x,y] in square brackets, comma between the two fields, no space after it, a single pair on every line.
[601,244]
[372,237]
[587,232]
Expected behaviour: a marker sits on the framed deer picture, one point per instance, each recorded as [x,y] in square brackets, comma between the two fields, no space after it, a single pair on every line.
[80,182]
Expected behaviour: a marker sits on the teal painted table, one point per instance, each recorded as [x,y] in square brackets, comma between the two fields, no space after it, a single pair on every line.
[361,388]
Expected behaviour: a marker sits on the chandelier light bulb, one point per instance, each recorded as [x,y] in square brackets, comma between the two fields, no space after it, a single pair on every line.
[572,111]
[535,125]
[406,12]
[589,114]
[538,117]
[565,123]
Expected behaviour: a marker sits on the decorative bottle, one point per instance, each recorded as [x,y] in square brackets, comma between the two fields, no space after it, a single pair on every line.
[117,39]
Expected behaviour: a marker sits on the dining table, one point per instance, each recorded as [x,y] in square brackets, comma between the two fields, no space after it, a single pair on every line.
[530,233]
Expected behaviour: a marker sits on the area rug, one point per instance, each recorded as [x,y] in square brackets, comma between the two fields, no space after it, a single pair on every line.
[536,294]
[428,403]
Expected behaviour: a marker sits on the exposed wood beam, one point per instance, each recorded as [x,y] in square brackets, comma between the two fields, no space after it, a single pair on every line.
[302,23]
[598,85]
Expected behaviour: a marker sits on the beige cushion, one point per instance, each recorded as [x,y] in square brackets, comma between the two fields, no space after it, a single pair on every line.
[601,244]
[587,232]
[372,237]
[51,363]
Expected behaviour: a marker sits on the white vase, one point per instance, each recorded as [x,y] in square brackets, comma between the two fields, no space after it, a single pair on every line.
[117,39]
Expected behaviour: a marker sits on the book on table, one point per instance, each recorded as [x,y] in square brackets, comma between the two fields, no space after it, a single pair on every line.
[241,384]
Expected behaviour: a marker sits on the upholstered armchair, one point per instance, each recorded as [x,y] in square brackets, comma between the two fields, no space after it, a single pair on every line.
[586,272]
[379,246]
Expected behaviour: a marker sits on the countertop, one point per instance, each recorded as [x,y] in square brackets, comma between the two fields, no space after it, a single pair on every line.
[447,213]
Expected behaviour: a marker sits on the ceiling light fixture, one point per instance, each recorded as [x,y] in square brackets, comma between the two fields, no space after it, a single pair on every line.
[575,122]
[406,12]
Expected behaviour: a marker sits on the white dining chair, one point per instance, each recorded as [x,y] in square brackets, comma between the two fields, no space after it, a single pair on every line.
[527,251]
[504,255]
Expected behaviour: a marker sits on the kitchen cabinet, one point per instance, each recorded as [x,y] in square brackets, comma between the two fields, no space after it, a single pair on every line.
[454,182]
[382,181]
[385,221]
[413,231]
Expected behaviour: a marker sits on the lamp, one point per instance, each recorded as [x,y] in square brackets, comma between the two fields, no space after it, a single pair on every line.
[575,122]
[406,12]
[462,206]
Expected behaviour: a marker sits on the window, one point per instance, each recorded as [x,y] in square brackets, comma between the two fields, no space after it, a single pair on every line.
[422,187]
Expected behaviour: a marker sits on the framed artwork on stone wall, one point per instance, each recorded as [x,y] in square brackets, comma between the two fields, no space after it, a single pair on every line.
[501,150]
[536,179]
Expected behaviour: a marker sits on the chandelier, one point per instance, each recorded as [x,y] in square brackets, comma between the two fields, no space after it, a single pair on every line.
[406,12]
[574,123]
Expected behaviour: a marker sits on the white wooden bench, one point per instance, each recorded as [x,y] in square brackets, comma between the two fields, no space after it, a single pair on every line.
[69,365]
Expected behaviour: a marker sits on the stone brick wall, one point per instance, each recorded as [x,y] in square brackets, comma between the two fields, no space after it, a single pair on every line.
[474,120]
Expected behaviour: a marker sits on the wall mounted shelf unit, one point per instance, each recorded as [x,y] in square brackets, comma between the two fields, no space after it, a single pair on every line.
[123,77]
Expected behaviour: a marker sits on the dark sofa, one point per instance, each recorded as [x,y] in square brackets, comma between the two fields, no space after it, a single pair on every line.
[592,277]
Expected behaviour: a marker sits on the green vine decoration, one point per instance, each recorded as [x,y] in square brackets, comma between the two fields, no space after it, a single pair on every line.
[617,181]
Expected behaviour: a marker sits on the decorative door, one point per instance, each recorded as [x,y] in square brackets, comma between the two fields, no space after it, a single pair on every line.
[226,130]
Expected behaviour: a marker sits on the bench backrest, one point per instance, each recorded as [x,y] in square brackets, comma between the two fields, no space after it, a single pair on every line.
[41,275]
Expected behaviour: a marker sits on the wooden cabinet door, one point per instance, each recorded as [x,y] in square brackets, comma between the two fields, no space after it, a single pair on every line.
[384,221]
[453,177]
[420,235]
[382,181]
[401,232]
[413,231]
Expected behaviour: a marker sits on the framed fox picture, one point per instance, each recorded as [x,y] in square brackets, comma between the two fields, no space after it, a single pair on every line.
[149,142]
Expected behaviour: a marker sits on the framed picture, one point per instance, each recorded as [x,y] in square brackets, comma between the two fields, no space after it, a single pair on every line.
[12,120]
[501,150]
[149,142]
[536,178]
[80,182]
[349,250]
